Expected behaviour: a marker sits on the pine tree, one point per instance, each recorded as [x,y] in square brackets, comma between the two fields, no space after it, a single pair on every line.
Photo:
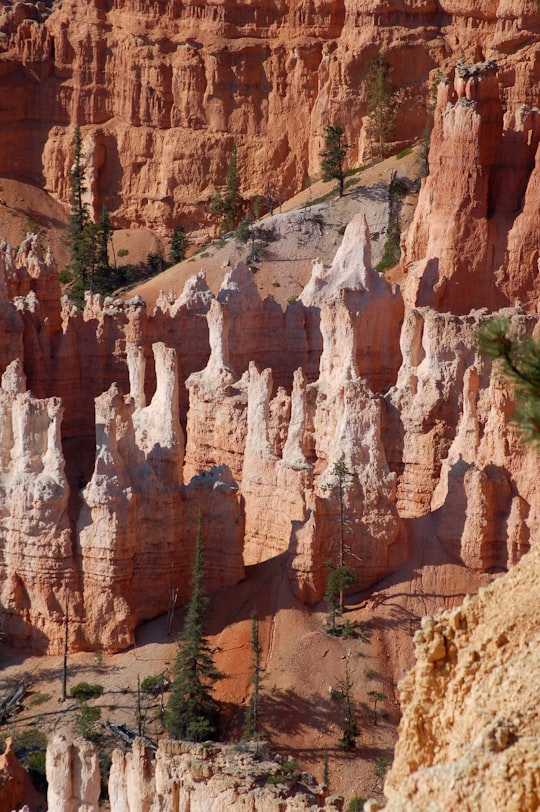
[88,241]
[381,104]
[333,155]
[252,723]
[179,244]
[519,359]
[79,220]
[349,724]
[227,203]
[192,713]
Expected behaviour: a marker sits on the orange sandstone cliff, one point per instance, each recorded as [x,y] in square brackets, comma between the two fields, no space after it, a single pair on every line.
[161,91]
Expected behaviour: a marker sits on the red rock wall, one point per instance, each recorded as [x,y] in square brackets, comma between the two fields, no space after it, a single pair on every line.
[162,90]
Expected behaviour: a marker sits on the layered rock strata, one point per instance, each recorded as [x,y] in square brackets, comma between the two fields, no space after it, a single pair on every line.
[474,239]
[403,403]
[162,92]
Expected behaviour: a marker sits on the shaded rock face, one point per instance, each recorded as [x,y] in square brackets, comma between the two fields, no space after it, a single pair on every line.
[470,732]
[161,92]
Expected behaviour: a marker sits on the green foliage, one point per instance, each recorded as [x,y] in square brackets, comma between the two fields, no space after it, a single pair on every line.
[397,190]
[88,241]
[349,726]
[84,691]
[376,697]
[381,104]
[192,713]
[179,245]
[153,684]
[252,726]
[339,580]
[369,673]
[30,747]
[404,152]
[333,155]
[243,232]
[86,718]
[155,263]
[226,204]
[122,252]
[39,699]
[356,804]
[519,361]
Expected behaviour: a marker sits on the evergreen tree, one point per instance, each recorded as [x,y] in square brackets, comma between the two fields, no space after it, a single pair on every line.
[252,724]
[349,724]
[192,713]
[520,362]
[88,241]
[227,203]
[179,244]
[339,579]
[333,155]
[381,105]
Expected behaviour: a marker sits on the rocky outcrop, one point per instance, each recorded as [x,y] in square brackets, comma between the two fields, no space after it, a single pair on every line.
[473,242]
[73,775]
[162,93]
[13,778]
[404,404]
[33,513]
[179,776]
[470,733]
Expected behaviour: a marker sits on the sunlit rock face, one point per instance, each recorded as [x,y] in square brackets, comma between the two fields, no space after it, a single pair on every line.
[163,91]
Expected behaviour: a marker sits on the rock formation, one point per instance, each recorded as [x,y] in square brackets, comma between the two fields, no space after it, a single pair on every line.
[13,778]
[162,92]
[470,732]
[473,242]
[181,776]
[72,775]
[402,401]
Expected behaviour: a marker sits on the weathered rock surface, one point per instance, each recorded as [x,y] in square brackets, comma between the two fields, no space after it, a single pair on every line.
[13,778]
[473,242]
[470,732]
[205,779]
[403,402]
[73,775]
[162,92]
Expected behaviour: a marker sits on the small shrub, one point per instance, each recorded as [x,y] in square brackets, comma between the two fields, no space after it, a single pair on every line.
[276,284]
[275,779]
[40,699]
[65,276]
[122,252]
[153,684]
[356,804]
[30,746]
[85,722]
[341,230]
[369,673]
[84,691]
[292,299]
[205,254]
